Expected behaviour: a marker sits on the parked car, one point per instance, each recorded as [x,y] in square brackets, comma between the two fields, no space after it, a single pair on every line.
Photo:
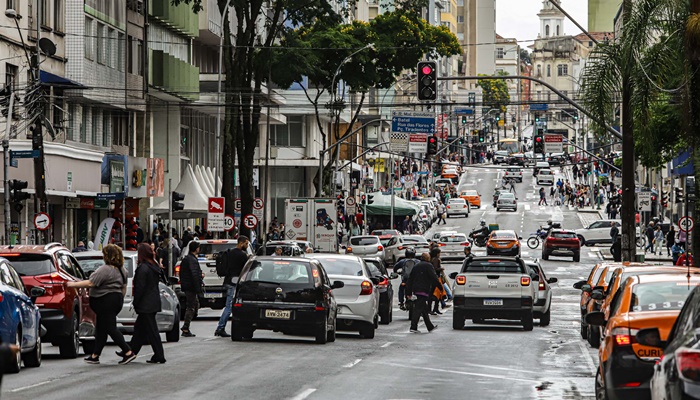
[545,177]
[292,295]
[65,312]
[452,175]
[598,278]
[561,242]
[168,319]
[358,300]
[472,197]
[542,307]
[517,159]
[21,319]
[506,200]
[365,246]
[599,232]
[396,248]
[457,206]
[442,183]
[514,173]
[377,269]
[452,245]
[503,242]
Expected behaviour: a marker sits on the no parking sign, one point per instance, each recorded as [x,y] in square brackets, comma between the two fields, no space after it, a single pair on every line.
[250,221]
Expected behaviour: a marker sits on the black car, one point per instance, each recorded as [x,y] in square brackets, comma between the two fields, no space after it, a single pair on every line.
[285,294]
[386,290]
[677,373]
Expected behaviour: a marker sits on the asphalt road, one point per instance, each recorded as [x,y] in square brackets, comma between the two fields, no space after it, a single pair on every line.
[490,361]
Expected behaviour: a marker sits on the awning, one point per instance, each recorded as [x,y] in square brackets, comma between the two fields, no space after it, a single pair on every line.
[382,206]
[195,199]
[49,79]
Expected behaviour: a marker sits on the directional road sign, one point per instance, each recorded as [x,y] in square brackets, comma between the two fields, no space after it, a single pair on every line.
[42,221]
[539,107]
[412,122]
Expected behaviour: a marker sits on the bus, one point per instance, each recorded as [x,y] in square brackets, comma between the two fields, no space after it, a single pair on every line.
[509,145]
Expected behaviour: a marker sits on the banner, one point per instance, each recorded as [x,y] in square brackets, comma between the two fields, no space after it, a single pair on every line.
[155,182]
[104,233]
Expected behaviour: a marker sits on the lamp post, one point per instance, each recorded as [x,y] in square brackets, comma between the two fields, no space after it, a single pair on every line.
[217,158]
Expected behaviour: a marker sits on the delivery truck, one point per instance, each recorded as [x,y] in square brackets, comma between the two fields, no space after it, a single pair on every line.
[314,220]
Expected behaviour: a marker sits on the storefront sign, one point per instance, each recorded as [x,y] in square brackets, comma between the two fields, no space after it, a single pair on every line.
[155,179]
[69,182]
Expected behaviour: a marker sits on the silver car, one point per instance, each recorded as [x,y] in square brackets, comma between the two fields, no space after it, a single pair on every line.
[358,300]
[452,245]
[507,200]
[542,306]
[456,207]
[365,246]
[396,248]
[168,319]
[545,177]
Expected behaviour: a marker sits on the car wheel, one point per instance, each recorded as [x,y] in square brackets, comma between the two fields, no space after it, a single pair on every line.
[545,318]
[368,331]
[236,332]
[173,335]
[33,358]
[322,333]
[70,346]
[527,321]
[16,364]
[582,240]
[376,321]
[385,315]
[545,256]
[577,257]
[457,320]
[593,336]
[331,334]
[88,346]
[584,330]
[600,393]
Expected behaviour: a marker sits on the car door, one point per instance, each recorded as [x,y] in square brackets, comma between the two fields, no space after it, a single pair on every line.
[22,303]
[8,308]
[391,248]
[70,265]
[595,231]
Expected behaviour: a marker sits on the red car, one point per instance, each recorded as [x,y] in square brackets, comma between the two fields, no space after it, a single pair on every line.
[65,312]
[561,242]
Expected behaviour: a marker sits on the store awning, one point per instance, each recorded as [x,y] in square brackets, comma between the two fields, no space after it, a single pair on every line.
[382,206]
[195,199]
[49,79]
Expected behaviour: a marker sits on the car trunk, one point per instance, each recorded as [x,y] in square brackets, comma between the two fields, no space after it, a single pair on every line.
[268,291]
[351,291]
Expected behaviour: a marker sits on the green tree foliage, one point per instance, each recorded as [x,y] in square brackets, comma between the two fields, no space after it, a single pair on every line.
[495,92]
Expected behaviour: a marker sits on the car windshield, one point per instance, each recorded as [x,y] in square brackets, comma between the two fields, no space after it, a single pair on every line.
[373,266]
[453,239]
[364,241]
[545,172]
[660,296]
[31,264]
[414,239]
[338,266]
[492,266]
[513,170]
[503,235]
[470,193]
[456,201]
[564,235]
[214,248]
[279,272]
[90,265]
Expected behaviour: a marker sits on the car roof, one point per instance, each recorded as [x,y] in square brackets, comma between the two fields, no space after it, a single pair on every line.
[322,256]
[33,248]
[664,278]
[505,231]
[216,241]
[94,254]
[452,234]
[563,231]
[413,237]
[507,194]
[458,199]
[470,191]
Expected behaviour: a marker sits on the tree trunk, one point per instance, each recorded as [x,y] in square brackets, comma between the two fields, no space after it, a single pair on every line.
[693,112]
[628,211]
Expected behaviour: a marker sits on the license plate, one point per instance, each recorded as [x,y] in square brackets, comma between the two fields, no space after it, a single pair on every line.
[278,314]
[213,295]
[493,302]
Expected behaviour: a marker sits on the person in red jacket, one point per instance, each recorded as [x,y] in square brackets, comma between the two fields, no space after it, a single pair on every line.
[682,259]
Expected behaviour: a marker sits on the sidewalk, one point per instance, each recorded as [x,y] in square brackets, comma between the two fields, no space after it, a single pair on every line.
[649,257]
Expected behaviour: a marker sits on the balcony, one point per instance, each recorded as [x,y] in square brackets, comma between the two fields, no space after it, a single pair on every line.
[173,75]
[180,17]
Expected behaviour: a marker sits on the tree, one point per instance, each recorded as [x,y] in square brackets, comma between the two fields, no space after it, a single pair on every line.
[525,56]
[495,92]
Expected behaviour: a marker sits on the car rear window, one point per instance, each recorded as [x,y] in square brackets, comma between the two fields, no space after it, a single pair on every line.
[279,272]
[31,264]
[286,250]
[337,266]
[214,248]
[373,266]
[492,266]
[564,235]
[90,265]
[660,296]
[363,241]
[453,239]
[502,235]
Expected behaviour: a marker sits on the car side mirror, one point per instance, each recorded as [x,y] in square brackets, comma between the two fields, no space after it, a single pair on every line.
[579,284]
[520,238]
[597,295]
[36,291]
[650,337]
[596,318]
[173,280]
[393,275]
[552,280]
[337,284]
[453,275]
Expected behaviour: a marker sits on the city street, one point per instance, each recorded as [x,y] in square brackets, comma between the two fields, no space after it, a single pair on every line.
[487,361]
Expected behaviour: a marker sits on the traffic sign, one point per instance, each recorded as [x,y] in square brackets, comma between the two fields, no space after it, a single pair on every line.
[215,214]
[397,185]
[644,201]
[237,204]
[229,222]
[539,107]
[418,143]
[42,221]
[686,224]
[464,111]
[553,143]
[250,221]
[350,205]
[258,205]
[398,141]
[408,121]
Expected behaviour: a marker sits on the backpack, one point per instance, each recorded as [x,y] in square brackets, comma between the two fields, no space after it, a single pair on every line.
[222,259]
[407,268]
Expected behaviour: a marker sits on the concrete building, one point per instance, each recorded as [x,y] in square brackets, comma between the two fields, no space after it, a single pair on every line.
[476,30]
[601,14]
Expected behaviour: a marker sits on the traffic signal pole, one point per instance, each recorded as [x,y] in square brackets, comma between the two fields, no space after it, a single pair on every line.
[6,167]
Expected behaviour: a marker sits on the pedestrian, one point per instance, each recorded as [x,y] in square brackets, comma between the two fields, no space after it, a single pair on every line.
[166,253]
[658,240]
[512,186]
[404,268]
[543,197]
[613,211]
[192,284]
[682,236]
[441,214]
[406,227]
[80,247]
[685,257]
[650,237]
[420,284]
[552,193]
[670,239]
[676,251]
[146,303]
[438,294]
[235,262]
[107,289]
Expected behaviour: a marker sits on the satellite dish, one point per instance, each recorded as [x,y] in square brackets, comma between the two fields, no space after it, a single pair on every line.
[47,46]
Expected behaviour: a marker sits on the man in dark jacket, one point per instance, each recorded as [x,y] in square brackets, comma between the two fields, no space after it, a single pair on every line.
[191,283]
[421,284]
[236,261]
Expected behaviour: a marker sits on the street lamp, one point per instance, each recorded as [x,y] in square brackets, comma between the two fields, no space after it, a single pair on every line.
[217,158]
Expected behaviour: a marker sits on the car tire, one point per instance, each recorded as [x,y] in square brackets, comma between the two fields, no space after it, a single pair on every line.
[527,321]
[88,346]
[16,364]
[545,256]
[367,331]
[322,334]
[33,358]
[584,330]
[331,334]
[457,320]
[376,321]
[70,346]
[593,336]
[385,316]
[600,393]
[582,240]
[546,317]
[236,332]
[577,257]
[173,335]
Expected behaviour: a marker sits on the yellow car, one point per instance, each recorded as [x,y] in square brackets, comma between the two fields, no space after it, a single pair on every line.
[472,197]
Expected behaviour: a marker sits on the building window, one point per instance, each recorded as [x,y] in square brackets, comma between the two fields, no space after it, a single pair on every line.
[45,15]
[89,40]
[286,182]
[448,7]
[446,24]
[539,70]
[557,30]
[12,4]
[500,53]
[101,48]
[111,57]
[59,15]
[460,19]
[134,56]
[95,128]
[289,135]
[460,3]
[499,71]
[549,71]
[105,128]
[562,70]
[11,72]
[120,51]
[546,31]
[83,126]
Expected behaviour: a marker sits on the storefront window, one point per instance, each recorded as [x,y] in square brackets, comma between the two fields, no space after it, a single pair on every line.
[286,183]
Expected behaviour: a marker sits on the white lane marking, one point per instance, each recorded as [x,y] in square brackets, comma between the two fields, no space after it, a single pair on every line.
[499,377]
[587,357]
[19,389]
[527,207]
[387,344]
[352,364]
[501,368]
[303,395]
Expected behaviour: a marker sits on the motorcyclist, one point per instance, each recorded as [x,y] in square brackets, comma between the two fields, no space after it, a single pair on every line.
[481,232]
[404,267]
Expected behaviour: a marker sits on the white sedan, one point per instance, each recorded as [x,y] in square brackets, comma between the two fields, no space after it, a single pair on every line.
[396,248]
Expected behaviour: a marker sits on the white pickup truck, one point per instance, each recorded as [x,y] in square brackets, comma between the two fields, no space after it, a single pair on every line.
[493,288]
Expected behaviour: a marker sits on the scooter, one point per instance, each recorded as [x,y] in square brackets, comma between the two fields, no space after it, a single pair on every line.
[478,239]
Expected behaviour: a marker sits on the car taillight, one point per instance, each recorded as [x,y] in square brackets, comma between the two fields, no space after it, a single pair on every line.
[402,247]
[624,336]
[448,206]
[50,279]
[383,283]
[177,270]
[541,286]
[380,248]
[238,304]
[366,288]
[461,280]
[466,244]
[348,250]
[1,297]
[464,206]
[688,362]
[319,308]
[525,281]
[441,244]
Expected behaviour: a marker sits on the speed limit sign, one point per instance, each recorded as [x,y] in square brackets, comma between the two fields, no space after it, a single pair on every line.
[250,221]
[686,224]
[228,222]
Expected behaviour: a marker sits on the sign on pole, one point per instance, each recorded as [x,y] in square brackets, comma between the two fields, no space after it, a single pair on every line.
[409,121]
[215,214]
[553,143]
[229,222]
[644,201]
[398,142]
[250,221]
[418,143]
[686,224]
[350,205]
[258,206]
[42,221]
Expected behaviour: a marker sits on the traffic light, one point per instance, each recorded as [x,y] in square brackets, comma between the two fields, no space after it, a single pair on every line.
[464,119]
[679,195]
[482,136]
[575,115]
[664,199]
[537,117]
[176,201]
[498,117]
[461,140]
[432,145]
[17,195]
[363,200]
[427,80]
[339,202]
[538,141]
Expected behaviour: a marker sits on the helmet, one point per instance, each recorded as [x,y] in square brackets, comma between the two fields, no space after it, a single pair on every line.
[410,252]
[482,222]
[549,222]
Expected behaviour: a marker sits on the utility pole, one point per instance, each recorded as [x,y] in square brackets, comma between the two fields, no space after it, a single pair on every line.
[6,166]
[629,250]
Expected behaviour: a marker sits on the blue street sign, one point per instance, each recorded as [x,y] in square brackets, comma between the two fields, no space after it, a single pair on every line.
[412,122]
[24,154]
[110,196]
[539,107]
[422,172]
[464,111]
[13,162]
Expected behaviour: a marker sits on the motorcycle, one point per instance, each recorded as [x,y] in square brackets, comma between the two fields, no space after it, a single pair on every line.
[533,241]
[478,239]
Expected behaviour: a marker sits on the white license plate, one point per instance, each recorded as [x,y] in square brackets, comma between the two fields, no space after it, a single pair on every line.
[493,302]
[213,295]
[279,314]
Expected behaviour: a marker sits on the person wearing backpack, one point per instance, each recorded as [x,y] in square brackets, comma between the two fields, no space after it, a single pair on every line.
[232,265]
[192,284]
[404,267]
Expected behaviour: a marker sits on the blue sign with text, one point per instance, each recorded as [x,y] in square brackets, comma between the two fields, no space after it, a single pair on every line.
[412,122]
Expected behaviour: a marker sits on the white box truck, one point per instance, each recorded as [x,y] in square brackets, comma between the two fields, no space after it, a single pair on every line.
[312,219]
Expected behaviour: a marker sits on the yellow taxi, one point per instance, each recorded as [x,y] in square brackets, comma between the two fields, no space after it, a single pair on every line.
[472,197]
[503,243]
[643,301]
[598,280]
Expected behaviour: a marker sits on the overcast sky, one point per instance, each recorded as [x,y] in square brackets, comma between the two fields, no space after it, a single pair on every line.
[518,18]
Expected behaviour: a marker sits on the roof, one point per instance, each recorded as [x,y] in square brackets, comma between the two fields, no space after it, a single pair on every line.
[35,249]
[598,36]
[641,279]
[96,253]
[329,255]
[563,231]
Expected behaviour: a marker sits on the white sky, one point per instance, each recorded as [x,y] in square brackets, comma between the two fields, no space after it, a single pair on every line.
[518,18]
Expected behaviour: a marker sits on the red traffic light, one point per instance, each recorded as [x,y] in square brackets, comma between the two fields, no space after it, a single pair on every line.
[427,69]
[432,139]
[538,139]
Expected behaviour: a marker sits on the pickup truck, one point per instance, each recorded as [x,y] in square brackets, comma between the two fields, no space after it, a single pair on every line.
[493,288]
